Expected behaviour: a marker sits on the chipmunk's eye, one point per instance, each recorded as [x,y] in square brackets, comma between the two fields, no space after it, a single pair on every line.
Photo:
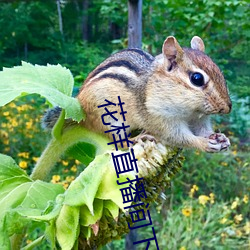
[197,79]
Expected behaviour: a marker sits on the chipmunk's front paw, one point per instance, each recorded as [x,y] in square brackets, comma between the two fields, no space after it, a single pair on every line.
[218,142]
[143,137]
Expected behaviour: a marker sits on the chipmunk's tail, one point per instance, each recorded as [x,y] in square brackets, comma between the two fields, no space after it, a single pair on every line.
[50,117]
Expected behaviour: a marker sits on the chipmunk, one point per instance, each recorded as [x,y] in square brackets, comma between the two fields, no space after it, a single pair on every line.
[169,97]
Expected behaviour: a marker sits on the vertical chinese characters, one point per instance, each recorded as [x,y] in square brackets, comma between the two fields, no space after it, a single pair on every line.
[134,192]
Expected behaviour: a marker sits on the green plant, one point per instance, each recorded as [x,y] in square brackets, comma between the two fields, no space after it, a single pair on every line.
[204,223]
[90,212]
[209,172]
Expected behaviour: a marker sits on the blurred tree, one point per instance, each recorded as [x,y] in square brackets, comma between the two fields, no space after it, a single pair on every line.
[134,41]
[134,23]
[86,21]
[58,2]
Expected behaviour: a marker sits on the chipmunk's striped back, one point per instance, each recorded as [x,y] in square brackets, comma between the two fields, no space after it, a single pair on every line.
[123,66]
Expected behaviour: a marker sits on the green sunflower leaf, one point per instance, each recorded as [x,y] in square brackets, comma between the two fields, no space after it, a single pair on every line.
[67,226]
[53,82]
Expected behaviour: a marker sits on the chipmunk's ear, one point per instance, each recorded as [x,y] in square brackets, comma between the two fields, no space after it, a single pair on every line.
[197,43]
[171,49]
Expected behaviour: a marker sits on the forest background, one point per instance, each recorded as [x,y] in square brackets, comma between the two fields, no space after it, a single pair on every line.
[207,205]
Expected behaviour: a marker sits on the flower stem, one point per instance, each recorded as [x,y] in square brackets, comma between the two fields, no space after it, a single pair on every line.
[57,147]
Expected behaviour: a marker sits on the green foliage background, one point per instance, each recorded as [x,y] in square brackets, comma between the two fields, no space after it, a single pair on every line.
[30,32]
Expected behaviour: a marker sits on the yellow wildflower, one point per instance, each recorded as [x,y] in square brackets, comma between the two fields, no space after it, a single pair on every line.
[211,195]
[55,178]
[70,178]
[12,105]
[247,227]
[183,248]
[23,164]
[4,134]
[6,113]
[73,168]
[14,123]
[19,108]
[235,203]
[6,149]
[224,164]
[203,199]
[24,154]
[197,242]
[65,163]
[234,152]
[245,199]
[77,162]
[238,218]
[23,107]
[193,190]
[187,211]
[223,235]
[29,124]
[20,154]
[35,159]
[238,233]
[223,220]
[6,141]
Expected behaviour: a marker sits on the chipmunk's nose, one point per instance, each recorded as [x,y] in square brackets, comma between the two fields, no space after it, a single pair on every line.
[227,108]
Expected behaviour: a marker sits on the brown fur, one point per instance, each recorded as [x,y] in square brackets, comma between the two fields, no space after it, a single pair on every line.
[159,97]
